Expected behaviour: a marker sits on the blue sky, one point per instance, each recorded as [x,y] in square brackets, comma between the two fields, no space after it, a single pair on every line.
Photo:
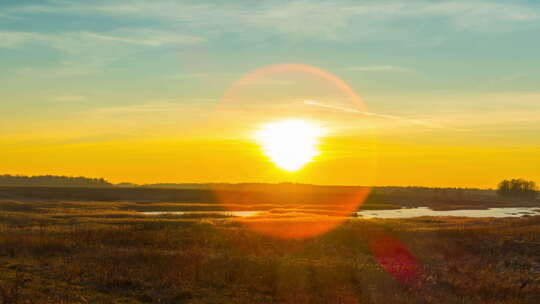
[467,64]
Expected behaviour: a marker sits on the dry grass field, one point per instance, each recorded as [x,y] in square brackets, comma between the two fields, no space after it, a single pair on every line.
[107,252]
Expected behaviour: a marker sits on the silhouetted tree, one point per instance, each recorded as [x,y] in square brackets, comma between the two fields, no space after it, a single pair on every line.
[51,180]
[517,188]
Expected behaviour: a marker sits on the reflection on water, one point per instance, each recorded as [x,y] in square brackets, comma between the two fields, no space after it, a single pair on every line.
[424,211]
[208,213]
[394,213]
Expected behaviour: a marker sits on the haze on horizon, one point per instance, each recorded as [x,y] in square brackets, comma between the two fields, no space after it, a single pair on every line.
[141,91]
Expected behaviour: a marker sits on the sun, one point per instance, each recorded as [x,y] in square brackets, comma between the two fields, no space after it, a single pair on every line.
[290,144]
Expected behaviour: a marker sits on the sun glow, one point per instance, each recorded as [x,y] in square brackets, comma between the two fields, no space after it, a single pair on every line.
[290,144]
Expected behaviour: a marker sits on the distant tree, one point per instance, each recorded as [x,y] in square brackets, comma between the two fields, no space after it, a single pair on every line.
[52,181]
[517,188]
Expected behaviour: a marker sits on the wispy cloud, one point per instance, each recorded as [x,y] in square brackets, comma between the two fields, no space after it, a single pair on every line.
[71,40]
[64,69]
[150,107]
[10,39]
[265,82]
[188,76]
[315,19]
[87,52]
[70,98]
[379,68]
[146,37]
[173,107]
[378,115]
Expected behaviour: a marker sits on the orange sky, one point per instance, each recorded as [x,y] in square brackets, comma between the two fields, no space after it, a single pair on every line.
[175,160]
[410,92]
[166,142]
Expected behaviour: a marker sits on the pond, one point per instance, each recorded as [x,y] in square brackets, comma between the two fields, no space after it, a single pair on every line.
[203,213]
[425,211]
[393,213]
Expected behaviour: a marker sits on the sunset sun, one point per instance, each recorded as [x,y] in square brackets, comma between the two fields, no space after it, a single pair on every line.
[290,144]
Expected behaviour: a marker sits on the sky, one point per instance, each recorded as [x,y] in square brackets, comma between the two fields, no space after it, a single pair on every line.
[446,93]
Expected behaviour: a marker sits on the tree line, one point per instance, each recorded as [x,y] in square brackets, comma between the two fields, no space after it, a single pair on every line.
[517,188]
[52,180]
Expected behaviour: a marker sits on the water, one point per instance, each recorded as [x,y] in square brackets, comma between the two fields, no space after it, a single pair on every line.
[424,211]
[209,213]
[384,214]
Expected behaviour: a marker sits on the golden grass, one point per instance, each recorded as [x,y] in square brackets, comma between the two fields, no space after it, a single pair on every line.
[75,252]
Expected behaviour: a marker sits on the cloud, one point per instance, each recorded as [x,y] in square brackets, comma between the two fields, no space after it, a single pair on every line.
[384,116]
[64,69]
[11,39]
[70,98]
[379,68]
[146,37]
[88,52]
[329,20]
[481,15]
[71,40]
[188,76]
[150,107]
[173,107]
[265,82]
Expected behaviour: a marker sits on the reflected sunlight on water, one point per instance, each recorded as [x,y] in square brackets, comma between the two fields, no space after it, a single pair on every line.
[425,211]
[209,213]
[393,213]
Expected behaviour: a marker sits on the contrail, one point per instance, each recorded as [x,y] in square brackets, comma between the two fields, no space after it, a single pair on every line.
[349,110]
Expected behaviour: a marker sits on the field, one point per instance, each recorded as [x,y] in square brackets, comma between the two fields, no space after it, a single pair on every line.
[61,251]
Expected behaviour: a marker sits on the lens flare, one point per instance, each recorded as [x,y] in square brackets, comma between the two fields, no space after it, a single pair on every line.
[290,154]
[290,144]
[395,258]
